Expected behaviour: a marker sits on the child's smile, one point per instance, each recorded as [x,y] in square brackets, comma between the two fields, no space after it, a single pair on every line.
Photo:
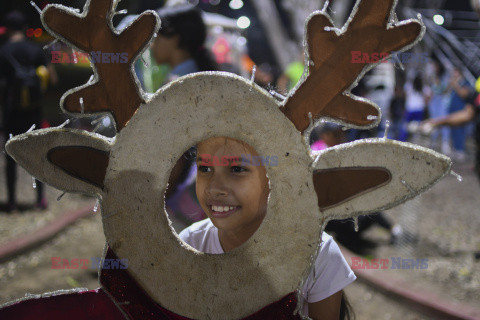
[233,196]
[222,210]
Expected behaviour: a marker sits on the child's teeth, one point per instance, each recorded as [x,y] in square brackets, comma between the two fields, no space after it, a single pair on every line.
[222,209]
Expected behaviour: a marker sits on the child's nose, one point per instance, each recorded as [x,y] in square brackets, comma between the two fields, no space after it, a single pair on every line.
[217,185]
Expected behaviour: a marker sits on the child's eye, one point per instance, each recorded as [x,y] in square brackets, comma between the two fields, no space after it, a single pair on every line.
[238,169]
[203,169]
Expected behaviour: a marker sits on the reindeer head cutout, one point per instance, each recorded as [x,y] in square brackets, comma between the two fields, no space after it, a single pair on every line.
[130,172]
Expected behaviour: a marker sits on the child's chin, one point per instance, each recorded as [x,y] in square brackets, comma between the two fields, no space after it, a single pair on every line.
[221,224]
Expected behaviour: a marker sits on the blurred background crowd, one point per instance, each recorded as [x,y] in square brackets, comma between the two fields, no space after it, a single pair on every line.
[434,79]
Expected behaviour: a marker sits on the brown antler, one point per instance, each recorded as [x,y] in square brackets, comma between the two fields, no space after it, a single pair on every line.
[323,93]
[115,90]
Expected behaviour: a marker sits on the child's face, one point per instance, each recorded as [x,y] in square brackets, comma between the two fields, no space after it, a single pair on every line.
[234,195]
[329,138]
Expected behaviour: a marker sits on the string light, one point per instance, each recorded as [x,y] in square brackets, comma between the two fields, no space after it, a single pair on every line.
[82,106]
[277,95]
[31,128]
[254,69]
[48,45]
[36,7]
[459,177]
[124,11]
[243,22]
[387,126]
[235,4]
[407,185]
[438,19]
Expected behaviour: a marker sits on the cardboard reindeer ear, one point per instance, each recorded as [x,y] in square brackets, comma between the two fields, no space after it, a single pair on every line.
[325,92]
[69,160]
[368,176]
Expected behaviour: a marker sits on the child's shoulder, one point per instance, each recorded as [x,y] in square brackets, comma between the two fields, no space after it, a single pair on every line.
[197,229]
[330,272]
[330,248]
[200,226]
[326,237]
[327,241]
[203,236]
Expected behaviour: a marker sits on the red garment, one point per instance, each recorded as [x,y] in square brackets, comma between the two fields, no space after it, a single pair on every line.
[95,305]
[130,298]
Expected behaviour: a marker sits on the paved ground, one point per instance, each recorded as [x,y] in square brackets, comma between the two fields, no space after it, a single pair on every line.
[446,221]
[29,218]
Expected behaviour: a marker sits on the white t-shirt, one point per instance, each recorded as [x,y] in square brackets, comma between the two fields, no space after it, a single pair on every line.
[414,101]
[330,274]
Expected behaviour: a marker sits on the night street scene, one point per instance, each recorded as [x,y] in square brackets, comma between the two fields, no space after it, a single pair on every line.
[240,159]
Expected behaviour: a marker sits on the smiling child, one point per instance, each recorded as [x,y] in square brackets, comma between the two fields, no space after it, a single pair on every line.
[234,197]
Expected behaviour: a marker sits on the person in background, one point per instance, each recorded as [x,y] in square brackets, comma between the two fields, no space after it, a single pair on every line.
[470,112]
[23,64]
[180,42]
[415,102]
[437,106]
[325,136]
[460,90]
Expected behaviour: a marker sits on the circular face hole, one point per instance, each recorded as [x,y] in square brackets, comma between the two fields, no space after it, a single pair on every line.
[217,194]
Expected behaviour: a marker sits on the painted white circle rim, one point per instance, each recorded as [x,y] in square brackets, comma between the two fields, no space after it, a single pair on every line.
[158,262]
